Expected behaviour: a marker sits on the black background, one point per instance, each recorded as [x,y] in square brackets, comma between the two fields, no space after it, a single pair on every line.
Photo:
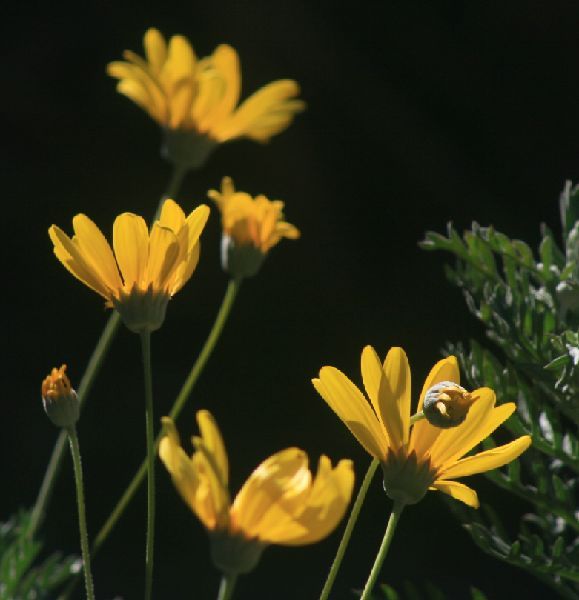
[419,112]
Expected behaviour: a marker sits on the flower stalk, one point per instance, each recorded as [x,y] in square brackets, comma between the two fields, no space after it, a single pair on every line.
[226,587]
[352,519]
[55,461]
[383,551]
[149,420]
[78,479]
[194,373]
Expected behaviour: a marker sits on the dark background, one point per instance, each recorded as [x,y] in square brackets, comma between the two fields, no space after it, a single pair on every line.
[419,112]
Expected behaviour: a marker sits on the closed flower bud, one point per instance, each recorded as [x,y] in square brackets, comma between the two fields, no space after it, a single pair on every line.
[446,404]
[59,399]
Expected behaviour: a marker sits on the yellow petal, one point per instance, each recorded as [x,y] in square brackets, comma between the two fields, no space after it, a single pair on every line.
[325,507]
[195,224]
[254,116]
[69,255]
[172,216]
[346,400]
[423,433]
[226,63]
[214,443]
[163,253]
[481,421]
[457,490]
[155,49]
[488,460]
[372,375]
[394,397]
[180,63]
[184,270]
[185,477]
[131,244]
[272,491]
[96,251]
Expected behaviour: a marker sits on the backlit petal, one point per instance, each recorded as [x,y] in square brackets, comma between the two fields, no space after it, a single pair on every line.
[214,442]
[488,460]
[131,244]
[163,253]
[185,476]
[96,251]
[394,397]
[271,492]
[329,498]
[459,491]
[346,400]
[70,256]
[480,422]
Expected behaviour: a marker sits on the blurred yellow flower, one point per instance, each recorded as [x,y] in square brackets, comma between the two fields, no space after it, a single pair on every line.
[425,457]
[280,503]
[146,269]
[251,227]
[183,92]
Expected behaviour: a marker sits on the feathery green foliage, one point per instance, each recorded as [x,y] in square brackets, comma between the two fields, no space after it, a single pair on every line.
[530,308]
[22,575]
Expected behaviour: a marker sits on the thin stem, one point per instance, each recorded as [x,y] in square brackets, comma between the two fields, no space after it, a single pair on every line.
[86,383]
[226,587]
[149,421]
[177,176]
[76,461]
[388,535]
[178,405]
[417,417]
[349,528]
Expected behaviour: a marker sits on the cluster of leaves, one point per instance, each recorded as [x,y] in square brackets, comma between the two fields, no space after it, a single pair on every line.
[530,309]
[22,575]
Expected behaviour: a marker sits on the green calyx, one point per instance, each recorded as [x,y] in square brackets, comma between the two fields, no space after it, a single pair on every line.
[240,260]
[142,310]
[233,553]
[405,480]
[187,148]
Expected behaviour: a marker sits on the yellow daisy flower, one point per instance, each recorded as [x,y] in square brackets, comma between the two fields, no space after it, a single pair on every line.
[415,459]
[251,227]
[146,268]
[280,503]
[184,93]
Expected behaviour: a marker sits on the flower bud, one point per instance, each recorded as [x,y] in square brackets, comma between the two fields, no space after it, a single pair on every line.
[446,404]
[60,401]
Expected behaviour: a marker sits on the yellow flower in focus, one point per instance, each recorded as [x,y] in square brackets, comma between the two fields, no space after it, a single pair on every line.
[184,93]
[280,503]
[146,268]
[424,457]
[251,227]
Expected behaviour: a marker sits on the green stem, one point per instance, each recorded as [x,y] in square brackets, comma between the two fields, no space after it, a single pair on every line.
[86,383]
[196,370]
[178,405]
[76,461]
[177,177]
[392,522]
[149,421]
[226,587]
[417,417]
[349,528]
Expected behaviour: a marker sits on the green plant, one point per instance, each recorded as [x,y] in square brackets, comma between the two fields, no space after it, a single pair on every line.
[529,307]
